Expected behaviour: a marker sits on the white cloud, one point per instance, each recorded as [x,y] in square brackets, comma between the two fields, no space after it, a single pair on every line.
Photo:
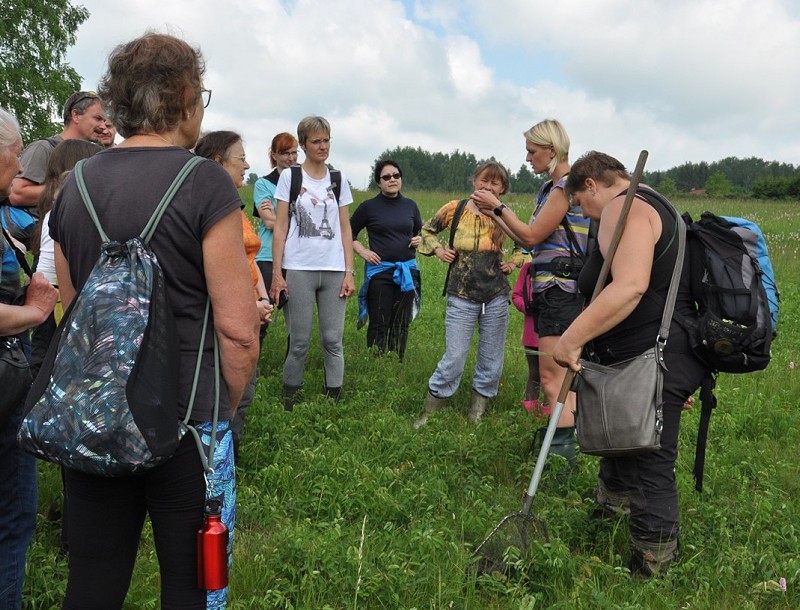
[689,80]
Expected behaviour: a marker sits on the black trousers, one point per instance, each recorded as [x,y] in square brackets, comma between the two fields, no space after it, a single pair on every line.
[106,515]
[649,479]
[389,313]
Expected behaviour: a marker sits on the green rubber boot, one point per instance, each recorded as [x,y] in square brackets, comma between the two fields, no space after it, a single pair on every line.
[565,445]
[432,404]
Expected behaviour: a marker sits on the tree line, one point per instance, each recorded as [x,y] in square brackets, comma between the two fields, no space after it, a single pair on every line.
[729,177]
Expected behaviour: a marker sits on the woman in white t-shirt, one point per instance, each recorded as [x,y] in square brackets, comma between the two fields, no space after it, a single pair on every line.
[313,244]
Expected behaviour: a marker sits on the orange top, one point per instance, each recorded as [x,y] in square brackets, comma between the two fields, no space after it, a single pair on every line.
[251,247]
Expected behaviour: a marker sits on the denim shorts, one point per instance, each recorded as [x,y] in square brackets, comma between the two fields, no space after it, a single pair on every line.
[554,310]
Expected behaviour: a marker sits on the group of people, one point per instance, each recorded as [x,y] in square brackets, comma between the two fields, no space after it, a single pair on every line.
[302,256]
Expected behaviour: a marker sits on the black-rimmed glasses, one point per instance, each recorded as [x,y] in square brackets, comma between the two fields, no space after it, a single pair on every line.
[205,95]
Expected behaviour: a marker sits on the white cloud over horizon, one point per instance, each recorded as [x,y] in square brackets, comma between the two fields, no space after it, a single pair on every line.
[688,80]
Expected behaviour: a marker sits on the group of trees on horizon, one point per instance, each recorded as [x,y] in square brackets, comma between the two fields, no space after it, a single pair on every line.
[729,177]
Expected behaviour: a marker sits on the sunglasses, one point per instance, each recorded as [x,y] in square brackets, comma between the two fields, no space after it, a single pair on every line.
[84,95]
[387,177]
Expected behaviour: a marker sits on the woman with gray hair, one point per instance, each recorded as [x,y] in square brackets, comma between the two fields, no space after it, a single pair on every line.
[557,237]
[18,492]
[153,89]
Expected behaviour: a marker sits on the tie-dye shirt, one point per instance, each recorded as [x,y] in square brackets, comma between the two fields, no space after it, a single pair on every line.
[476,274]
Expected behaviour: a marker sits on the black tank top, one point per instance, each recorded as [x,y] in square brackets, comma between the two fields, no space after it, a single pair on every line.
[639,330]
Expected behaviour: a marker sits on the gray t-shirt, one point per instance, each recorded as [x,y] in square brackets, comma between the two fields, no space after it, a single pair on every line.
[35,157]
[125,185]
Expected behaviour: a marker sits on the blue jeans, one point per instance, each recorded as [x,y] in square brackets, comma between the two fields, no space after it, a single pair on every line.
[460,320]
[18,504]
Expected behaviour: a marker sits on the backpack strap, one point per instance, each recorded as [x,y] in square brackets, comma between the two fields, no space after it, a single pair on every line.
[150,227]
[708,402]
[336,183]
[23,262]
[459,211]
[295,187]
[272,177]
[207,462]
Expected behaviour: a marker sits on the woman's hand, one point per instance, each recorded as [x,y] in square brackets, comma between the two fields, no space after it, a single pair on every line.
[368,255]
[41,295]
[415,241]
[567,354]
[507,267]
[348,285]
[267,213]
[264,311]
[447,256]
[278,285]
[486,201]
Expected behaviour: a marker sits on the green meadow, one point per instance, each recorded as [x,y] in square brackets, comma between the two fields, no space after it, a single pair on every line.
[345,506]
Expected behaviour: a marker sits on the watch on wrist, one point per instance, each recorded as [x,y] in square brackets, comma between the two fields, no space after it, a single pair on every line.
[351,271]
[498,211]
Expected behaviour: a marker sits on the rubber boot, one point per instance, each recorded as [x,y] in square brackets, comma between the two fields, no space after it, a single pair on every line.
[334,393]
[531,406]
[612,504]
[477,406]
[652,559]
[291,393]
[563,444]
[432,404]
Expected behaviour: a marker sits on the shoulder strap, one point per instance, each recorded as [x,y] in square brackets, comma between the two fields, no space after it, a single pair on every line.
[150,227]
[273,176]
[296,184]
[23,262]
[459,211]
[207,462]
[336,183]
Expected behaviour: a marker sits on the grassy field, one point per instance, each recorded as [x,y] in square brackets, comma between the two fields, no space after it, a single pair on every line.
[346,506]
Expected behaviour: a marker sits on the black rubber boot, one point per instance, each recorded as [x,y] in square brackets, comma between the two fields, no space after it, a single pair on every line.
[333,393]
[291,393]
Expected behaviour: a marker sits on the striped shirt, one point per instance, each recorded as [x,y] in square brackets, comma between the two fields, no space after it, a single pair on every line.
[557,244]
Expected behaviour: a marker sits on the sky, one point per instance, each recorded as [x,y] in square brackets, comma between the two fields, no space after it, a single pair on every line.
[687,80]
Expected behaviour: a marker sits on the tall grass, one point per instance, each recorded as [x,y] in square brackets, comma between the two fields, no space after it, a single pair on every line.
[346,506]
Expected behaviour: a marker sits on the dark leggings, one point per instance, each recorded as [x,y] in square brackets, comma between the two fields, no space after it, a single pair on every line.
[533,386]
[389,313]
[649,479]
[106,515]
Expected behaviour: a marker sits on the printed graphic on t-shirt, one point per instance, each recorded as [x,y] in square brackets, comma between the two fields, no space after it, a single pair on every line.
[311,214]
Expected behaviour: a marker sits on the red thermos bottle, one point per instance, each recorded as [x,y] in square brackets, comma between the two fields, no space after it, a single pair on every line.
[212,549]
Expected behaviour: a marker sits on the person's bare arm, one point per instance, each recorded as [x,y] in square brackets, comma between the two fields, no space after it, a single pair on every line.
[349,283]
[231,291]
[525,234]
[65,285]
[267,213]
[24,193]
[630,270]
[40,300]
[278,284]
